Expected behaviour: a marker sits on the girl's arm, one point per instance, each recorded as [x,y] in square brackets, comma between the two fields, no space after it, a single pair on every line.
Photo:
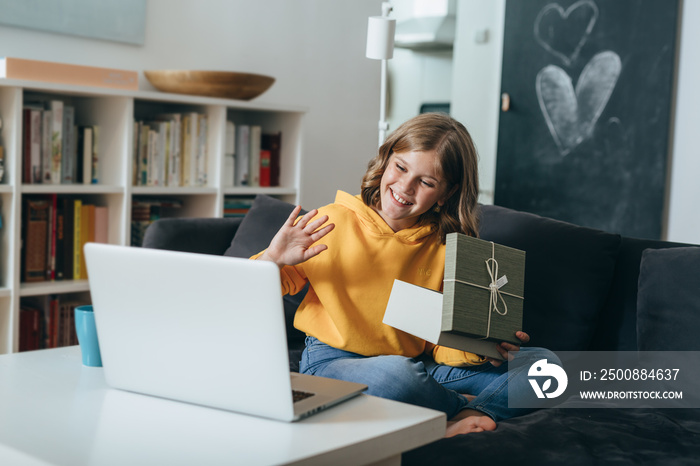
[294,242]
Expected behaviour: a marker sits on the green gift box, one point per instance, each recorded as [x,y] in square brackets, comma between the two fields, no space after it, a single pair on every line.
[483,293]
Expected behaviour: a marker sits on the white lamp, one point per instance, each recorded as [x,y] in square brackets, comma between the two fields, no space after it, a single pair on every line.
[380,46]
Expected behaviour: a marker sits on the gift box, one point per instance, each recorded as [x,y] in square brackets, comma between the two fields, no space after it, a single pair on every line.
[481,304]
[483,291]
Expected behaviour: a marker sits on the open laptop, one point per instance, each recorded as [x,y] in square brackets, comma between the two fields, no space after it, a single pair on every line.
[202,329]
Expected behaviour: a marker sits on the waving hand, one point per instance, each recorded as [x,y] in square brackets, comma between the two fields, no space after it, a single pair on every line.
[293,243]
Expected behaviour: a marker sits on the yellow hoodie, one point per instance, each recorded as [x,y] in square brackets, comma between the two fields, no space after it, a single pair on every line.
[351,282]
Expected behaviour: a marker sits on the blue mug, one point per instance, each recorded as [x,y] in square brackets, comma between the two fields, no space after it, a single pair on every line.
[87,336]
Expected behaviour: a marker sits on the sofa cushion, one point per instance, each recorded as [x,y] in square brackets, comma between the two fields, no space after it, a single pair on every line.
[668,300]
[568,270]
[254,234]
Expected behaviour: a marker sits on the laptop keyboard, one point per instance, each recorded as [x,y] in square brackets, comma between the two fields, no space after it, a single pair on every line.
[298,395]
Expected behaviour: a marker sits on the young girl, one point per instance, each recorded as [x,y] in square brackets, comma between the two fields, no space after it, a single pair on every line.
[421,186]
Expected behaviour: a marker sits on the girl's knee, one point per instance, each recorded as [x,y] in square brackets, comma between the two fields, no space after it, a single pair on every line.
[397,377]
[531,355]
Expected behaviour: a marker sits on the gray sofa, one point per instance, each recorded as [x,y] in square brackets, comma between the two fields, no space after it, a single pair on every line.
[585,290]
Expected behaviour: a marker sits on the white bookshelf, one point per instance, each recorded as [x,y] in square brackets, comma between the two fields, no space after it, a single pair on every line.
[114,111]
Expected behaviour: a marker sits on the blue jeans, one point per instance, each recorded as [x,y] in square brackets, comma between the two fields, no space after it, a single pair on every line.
[421,381]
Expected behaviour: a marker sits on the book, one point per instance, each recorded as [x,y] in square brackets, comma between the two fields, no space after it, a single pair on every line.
[145,211]
[174,161]
[193,150]
[229,155]
[66,250]
[85,148]
[202,150]
[29,328]
[265,156]
[87,234]
[144,131]
[237,206]
[273,143]
[186,150]
[101,224]
[95,154]
[32,146]
[52,322]
[64,73]
[46,131]
[60,240]
[68,152]
[56,140]
[77,240]
[254,167]
[242,158]
[26,145]
[135,160]
[35,237]
[169,128]
[51,241]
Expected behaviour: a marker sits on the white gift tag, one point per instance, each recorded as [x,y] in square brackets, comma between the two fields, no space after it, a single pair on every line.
[501,282]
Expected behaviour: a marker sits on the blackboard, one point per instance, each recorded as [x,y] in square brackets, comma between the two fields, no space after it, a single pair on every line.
[586,137]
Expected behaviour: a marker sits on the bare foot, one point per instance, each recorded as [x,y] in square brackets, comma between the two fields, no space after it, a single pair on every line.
[468,421]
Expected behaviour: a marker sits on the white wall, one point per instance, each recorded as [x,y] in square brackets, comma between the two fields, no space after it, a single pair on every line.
[315,49]
[684,196]
[475,102]
[477,82]
[415,77]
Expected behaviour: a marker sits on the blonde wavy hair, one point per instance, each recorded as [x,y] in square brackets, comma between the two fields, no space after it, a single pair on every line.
[458,162]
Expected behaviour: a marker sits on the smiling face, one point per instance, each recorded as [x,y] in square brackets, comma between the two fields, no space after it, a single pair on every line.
[411,185]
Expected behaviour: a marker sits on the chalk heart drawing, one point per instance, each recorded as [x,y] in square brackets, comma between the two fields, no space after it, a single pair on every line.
[563,32]
[571,114]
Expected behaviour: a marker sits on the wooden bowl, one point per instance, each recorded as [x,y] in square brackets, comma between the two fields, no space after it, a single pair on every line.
[225,84]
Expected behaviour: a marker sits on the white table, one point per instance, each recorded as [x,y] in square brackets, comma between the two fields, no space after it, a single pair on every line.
[55,411]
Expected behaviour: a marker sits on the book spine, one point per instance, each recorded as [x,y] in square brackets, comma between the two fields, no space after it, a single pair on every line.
[101,224]
[166,141]
[143,155]
[56,140]
[152,164]
[86,154]
[273,143]
[265,168]
[135,155]
[242,151]
[35,146]
[46,130]
[53,322]
[60,241]
[26,146]
[229,155]
[51,254]
[202,151]
[77,238]
[176,152]
[185,163]
[35,239]
[162,154]
[68,147]
[68,237]
[255,140]
[193,149]
[95,155]
[87,234]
